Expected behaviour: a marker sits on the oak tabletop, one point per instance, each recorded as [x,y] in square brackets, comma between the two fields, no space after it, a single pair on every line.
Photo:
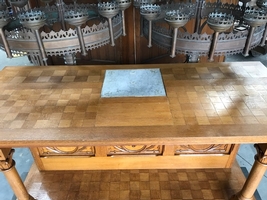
[204,103]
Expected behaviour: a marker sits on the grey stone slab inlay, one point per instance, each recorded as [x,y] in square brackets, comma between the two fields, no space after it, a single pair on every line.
[133,83]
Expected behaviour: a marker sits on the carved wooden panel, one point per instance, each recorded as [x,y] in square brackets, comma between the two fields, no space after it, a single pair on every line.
[135,150]
[66,151]
[203,149]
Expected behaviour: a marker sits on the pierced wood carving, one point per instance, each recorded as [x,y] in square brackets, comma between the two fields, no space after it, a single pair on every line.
[203,149]
[79,150]
[135,150]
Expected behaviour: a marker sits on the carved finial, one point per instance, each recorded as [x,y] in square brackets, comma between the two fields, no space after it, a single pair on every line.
[261,155]
[6,161]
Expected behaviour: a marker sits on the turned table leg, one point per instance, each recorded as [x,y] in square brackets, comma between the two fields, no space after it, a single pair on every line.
[7,166]
[255,175]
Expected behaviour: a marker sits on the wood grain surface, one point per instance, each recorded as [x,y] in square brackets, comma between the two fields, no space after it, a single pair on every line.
[215,103]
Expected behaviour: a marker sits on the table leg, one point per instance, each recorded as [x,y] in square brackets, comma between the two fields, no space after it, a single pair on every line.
[7,166]
[257,172]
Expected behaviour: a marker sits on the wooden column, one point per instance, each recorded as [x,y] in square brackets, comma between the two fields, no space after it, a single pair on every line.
[255,175]
[7,166]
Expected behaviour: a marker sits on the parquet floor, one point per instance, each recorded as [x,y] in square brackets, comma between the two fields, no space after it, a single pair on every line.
[197,184]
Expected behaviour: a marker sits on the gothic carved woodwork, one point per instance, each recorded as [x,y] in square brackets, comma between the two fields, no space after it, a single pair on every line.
[64,151]
[203,149]
[135,150]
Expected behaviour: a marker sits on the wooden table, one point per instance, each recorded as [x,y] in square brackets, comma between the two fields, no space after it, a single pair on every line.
[209,109]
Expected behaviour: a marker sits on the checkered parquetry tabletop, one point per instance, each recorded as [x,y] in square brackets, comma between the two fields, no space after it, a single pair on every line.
[209,94]
[62,97]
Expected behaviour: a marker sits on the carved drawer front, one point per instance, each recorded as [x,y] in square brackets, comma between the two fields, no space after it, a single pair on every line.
[134,150]
[203,149]
[67,151]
